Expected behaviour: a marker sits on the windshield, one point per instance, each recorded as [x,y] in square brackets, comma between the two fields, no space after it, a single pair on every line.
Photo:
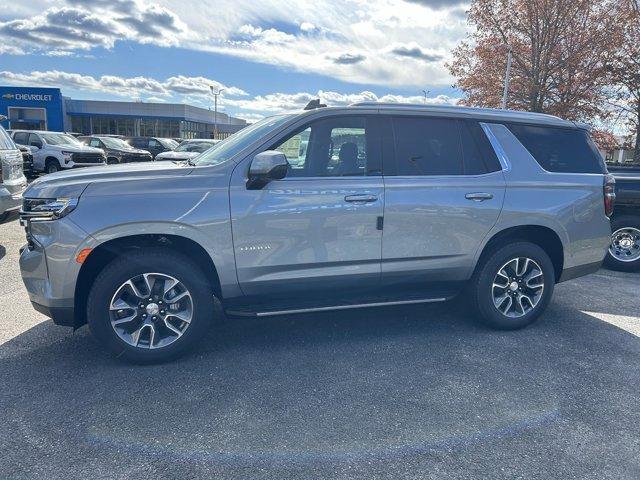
[59,139]
[230,146]
[168,143]
[116,143]
[194,146]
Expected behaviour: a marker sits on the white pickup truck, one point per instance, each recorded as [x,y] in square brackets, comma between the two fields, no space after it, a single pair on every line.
[55,151]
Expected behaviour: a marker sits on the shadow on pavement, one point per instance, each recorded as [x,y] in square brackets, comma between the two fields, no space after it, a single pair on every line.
[3,251]
[404,392]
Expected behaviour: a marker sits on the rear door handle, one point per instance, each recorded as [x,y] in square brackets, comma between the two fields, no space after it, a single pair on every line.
[479,196]
[360,198]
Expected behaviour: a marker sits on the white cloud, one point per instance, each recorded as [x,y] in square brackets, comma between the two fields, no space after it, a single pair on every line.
[132,87]
[394,43]
[195,91]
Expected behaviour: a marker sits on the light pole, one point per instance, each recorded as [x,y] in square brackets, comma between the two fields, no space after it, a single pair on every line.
[425,95]
[215,109]
[507,78]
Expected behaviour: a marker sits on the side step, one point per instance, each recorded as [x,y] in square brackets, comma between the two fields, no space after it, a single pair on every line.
[273,313]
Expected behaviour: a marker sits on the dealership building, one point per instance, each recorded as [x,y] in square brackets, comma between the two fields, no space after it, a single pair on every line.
[47,109]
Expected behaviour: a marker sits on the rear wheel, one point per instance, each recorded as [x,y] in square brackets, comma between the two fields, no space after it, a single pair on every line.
[150,306]
[112,161]
[513,286]
[624,251]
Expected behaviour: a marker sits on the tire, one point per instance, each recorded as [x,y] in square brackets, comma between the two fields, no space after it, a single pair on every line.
[4,216]
[52,166]
[483,290]
[112,161]
[625,227]
[120,339]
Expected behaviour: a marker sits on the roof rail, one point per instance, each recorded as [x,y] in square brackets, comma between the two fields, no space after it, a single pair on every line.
[313,104]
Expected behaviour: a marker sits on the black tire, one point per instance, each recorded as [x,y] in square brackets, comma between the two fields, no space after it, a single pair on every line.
[481,288]
[617,223]
[52,166]
[4,216]
[112,161]
[127,266]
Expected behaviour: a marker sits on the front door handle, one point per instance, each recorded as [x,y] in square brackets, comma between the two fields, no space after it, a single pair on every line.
[361,198]
[479,196]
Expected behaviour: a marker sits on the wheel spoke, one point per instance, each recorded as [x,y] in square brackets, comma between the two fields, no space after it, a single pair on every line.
[141,320]
[517,287]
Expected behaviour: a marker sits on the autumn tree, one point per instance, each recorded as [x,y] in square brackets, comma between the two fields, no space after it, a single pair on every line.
[561,50]
[625,69]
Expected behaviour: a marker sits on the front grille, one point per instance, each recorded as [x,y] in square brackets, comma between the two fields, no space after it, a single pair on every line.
[87,157]
[11,165]
[136,157]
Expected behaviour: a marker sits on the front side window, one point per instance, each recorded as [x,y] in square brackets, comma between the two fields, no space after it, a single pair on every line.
[427,146]
[21,137]
[59,139]
[333,147]
[94,143]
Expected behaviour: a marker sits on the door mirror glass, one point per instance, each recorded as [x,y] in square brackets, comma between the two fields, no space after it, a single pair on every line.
[36,144]
[265,167]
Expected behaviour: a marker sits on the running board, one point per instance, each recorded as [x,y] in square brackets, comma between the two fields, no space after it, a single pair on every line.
[241,313]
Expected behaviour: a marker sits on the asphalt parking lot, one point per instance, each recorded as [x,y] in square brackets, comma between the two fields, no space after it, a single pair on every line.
[413,392]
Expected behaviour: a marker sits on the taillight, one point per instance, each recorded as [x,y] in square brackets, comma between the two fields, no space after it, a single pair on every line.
[609,191]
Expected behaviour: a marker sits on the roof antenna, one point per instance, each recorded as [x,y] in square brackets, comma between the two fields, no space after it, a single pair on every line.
[313,104]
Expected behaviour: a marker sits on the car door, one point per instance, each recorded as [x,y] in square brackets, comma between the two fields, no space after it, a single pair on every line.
[444,190]
[37,148]
[318,229]
[155,147]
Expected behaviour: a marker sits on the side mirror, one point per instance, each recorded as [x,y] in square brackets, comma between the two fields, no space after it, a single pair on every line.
[38,145]
[265,167]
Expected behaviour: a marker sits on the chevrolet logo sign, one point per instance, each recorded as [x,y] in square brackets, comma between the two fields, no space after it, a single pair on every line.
[8,96]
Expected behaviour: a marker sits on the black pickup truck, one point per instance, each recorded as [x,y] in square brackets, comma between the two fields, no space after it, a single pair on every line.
[624,252]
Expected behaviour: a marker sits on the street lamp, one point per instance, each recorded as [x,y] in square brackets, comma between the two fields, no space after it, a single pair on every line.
[215,109]
[506,78]
[425,95]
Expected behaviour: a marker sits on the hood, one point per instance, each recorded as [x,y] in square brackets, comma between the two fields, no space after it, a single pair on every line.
[71,183]
[172,155]
[74,148]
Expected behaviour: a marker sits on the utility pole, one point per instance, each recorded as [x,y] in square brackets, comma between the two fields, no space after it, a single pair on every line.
[215,109]
[425,95]
[507,79]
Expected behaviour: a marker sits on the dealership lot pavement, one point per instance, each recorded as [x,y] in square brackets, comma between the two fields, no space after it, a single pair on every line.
[414,392]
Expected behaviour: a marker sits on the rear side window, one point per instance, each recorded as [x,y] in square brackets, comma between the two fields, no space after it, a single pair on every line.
[483,146]
[427,146]
[563,150]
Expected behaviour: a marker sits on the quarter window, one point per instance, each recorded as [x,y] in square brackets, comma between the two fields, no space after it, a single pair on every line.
[565,150]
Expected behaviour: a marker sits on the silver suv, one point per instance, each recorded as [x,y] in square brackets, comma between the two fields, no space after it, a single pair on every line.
[384,205]
[12,179]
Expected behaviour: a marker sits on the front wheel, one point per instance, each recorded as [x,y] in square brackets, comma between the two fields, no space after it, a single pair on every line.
[513,286]
[52,167]
[624,251]
[150,306]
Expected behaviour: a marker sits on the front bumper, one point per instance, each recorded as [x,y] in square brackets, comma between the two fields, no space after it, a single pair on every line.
[10,200]
[48,267]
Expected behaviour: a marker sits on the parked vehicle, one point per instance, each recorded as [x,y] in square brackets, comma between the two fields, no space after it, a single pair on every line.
[392,204]
[116,149]
[12,179]
[55,151]
[187,150]
[624,251]
[27,160]
[154,145]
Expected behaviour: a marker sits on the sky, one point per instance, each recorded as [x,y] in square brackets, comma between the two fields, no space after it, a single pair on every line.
[268,56]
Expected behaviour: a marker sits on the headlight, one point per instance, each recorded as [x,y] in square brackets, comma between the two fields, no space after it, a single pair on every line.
[68,156]
[47,208]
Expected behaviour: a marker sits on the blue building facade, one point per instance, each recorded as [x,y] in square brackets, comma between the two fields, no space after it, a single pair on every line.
[32,108]
[29,108]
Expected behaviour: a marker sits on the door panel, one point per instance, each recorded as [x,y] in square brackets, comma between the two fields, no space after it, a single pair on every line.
[439,202]
[316,230]
[431,230]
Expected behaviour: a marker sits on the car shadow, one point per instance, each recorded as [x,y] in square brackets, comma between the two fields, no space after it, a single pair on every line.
[392,392]
[3,251]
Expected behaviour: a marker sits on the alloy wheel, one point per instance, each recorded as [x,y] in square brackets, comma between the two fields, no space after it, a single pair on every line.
[517,287]
[151,310]
[625,244]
